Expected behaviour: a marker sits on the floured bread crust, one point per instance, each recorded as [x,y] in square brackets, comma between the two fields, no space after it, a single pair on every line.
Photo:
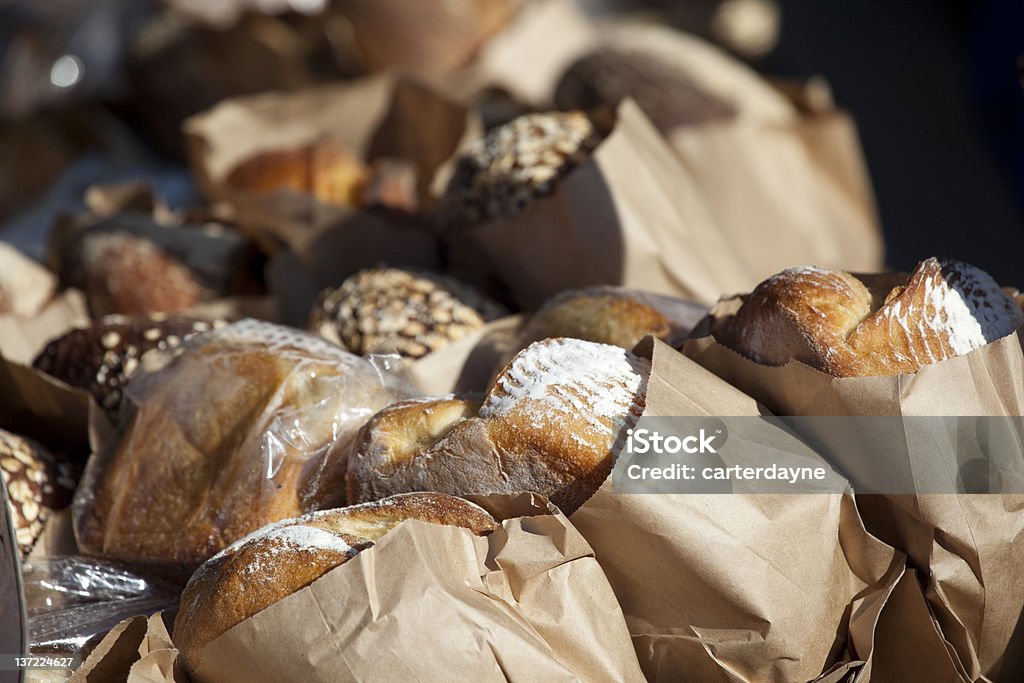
[281,558]
[849,325]
[552,423]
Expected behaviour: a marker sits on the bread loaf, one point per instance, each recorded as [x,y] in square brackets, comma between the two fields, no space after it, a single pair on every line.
[677,79]
[248,426]
[102,358]
[611,315]
[851,325]
[552,423]
[323,169]
[38,483]
[411,313]
[281,558]
[514,164]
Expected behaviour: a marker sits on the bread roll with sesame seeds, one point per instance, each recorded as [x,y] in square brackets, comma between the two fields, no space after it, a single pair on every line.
[851,325]
[552,424]
[249,425]
[281,558]
[514,164]
[102,357]
[408,312]
[38,483]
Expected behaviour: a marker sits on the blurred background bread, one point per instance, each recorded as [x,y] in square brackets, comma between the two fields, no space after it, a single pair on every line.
[281,558]
[849,325]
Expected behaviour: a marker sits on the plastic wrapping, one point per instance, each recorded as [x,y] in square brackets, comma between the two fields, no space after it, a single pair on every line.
[248,426]
[72,599]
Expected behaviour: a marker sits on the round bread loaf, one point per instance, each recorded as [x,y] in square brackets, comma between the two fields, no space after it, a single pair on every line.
[248,426]
[280,559]
[323,169]
[102,358]
[38,483]
[552,424]
[412,313]
[611,315]
[849,325]
[514,164]
[677,79]
[125,274]
[665,91]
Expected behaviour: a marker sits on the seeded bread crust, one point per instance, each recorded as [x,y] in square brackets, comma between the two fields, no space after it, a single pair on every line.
[38,483]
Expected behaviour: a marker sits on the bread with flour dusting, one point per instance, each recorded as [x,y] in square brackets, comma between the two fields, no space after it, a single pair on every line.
[551,423]
[280,559]
[851,325]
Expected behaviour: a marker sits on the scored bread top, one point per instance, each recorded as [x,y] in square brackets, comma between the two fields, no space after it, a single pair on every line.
[281,558]
[598,385]
[849,325]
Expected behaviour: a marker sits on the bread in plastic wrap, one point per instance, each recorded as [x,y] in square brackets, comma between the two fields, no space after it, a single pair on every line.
[246,427]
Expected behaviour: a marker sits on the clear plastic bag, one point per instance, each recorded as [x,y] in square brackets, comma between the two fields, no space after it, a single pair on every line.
[72,599]
[251,424]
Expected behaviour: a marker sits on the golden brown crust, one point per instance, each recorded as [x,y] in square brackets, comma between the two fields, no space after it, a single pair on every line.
[323,169]
[606,317]
[282,558]
[387,444]
[551,424]
[208,457]
[849,325]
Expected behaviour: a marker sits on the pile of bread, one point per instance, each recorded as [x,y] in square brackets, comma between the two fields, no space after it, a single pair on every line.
[254,457]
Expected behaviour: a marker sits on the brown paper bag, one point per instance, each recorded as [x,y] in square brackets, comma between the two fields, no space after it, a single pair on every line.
[733,586]
[138,650]
[968,547]
[528,602]
[21,340]
[378,116]
[469,364]
[630,215]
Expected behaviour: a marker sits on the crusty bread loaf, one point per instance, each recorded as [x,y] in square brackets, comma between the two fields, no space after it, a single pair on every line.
[281,558]
[38,482]
[611,315]
[323,169]
[850,325]
[552,423]
[248,426]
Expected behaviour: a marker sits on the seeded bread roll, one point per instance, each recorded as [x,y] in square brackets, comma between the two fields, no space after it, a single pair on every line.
[248,426]
[611,315]
[280,559]
[515,164]
[323,169]
[38,483]
[677,79]
[409,312]
[25,286]
[102,358]
[849,325]
[552,423]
